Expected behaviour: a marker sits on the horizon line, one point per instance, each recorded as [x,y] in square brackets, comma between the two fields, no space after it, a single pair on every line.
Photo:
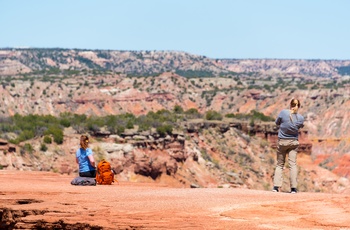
[233,58]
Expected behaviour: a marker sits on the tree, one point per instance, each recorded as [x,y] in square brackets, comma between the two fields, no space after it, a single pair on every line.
[43,147]
[164,129]
[213,115]
[178,109]
[47,140]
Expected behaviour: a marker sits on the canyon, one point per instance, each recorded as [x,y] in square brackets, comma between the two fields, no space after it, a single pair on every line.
[102,82]
[229,162]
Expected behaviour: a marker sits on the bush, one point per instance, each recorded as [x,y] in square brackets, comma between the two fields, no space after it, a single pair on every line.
[28,148]
[43,147]
[230,115]
[178,109]
[57,134]
[65,122]
[192,113]
[261,116]
[47,140]
[119,129]
[163,130]
[213,115]
[130,124]
[253,115]
[24,135]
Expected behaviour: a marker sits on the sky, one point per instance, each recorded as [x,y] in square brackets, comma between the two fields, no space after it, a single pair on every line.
[239,29]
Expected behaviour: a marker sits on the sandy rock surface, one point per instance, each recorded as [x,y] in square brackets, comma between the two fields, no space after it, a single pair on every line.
[43,200]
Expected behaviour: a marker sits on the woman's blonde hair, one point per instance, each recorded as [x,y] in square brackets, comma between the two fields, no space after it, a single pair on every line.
[84,141]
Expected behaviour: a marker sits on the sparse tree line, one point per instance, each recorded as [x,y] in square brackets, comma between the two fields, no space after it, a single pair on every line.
[19,128]
[265,82]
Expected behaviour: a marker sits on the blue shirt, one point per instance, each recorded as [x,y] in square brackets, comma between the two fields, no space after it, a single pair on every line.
[84,162]
[289,128]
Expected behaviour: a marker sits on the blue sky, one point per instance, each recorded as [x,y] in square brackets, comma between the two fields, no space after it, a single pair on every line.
[283,29]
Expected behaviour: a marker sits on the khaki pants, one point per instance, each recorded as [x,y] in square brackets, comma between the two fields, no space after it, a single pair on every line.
[284,147]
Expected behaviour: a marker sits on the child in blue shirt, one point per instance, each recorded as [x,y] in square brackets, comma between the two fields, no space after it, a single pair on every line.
[85,158]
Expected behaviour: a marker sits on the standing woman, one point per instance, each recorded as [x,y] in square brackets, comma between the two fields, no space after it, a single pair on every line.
[85,158]
[290,121]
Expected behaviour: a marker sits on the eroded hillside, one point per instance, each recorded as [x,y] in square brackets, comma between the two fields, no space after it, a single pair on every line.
[52,81]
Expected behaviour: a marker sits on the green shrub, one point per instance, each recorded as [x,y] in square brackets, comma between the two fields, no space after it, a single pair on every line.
[58,137]
[28,148]
[47,140]
[119,129]
[43,147]
[260,116]
[65,122]
[192,113]
[178,109]
[23,136]
[163,130]
[130,124]
[57,134]
[253,115]
[213,115]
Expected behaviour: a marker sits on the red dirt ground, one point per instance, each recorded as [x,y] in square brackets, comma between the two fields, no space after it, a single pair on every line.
[33,200]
